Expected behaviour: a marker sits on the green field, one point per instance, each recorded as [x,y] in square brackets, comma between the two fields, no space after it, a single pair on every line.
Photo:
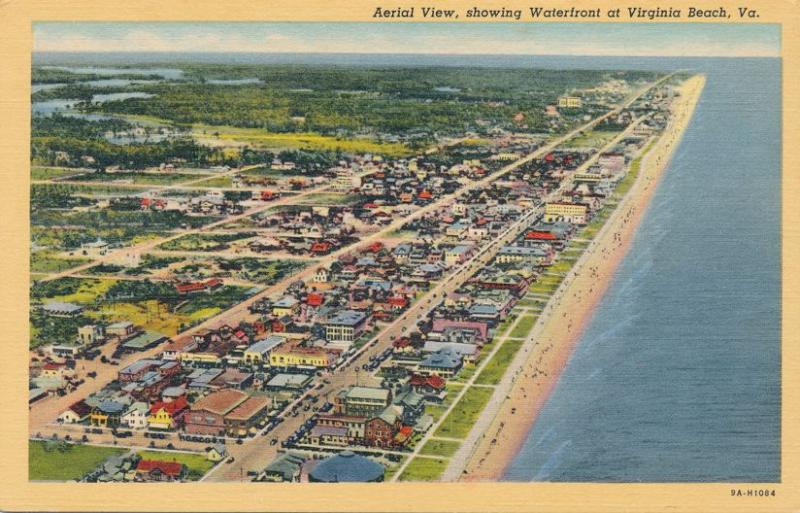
[494,370]
[48,262]
[595,139]
[445,448]
[197,464]
[140,178]
[464,414]
[219,134]
[424,469]
[49,173]
[49,461]
[523,327]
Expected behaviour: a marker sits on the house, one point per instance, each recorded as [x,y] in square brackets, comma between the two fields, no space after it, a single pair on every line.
[286,305]
[216,452]
[432,387]
[285,381]
[122,330]
[189,288]
[90,334]
[156,470]
[329,435]
[322,275]
[445,363]
[379,431]
[346,326]
[468,352]
[77,412]
[136,416]
[166,415]
[107,413]
[285,468]
[570,102]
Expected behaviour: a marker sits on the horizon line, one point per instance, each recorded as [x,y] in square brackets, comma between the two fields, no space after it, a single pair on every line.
[213,52]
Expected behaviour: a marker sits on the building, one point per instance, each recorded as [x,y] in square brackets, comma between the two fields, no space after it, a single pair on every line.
[285,468]
[457,254]
[90,334]
[286,305]
[347,467]
[570,102]
[136,416]
[258,353]
[353,425]
[290,355]
[380,430]
[207,415]
[245,416]
[165,416]
[363,401]
[122,330]
[60,309]
[346,326]
[445,363]
[574,213]
[77,412]
[155,470]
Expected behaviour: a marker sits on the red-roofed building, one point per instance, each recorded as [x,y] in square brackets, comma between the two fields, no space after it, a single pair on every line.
[432,387]
[315,299]
[155,470]
[195,287]
[398,302]
[374,247]
[537,235]
[321,247]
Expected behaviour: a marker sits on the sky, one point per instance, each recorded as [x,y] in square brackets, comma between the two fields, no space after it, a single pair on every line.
[630,39]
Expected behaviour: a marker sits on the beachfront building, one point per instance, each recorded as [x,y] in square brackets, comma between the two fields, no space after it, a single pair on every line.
[289,355]
[362,401]
[574,213]
[258,353]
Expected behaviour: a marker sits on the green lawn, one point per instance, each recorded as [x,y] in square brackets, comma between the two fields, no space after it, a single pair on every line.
[523,327]
[197,464]
[494,370]
[65,462]
[424,469]
[445,448]
[48,173]
[461,418]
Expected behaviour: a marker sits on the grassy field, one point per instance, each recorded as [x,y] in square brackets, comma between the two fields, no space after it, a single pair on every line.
[494,370]
[217,181]
[73,463]
[523,327]
[48,262]
[140,178]
[594,139]
[445,448]
[86,291]
[49,173]
[424,469]
[197,464]
[461,418]
[325,198]
[310,141]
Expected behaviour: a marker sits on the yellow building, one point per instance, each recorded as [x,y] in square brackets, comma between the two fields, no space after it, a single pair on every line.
[570,102]
[204,358]
[574,213]
[300,357]
[161,419]
[285,306]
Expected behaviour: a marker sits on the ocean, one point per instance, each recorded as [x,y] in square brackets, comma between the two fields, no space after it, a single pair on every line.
[677,377]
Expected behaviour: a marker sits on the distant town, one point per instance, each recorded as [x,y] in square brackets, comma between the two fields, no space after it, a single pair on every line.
[288,274]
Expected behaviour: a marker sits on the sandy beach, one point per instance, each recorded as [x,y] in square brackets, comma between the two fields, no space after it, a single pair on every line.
[499,434]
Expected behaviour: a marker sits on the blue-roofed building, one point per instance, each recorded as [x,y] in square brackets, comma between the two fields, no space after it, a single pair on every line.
[484,312]
[347,467]
[258,353]
[445,363]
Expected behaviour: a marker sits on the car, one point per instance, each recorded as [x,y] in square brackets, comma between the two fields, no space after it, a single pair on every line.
[273,441]
[239,441]
[230,460]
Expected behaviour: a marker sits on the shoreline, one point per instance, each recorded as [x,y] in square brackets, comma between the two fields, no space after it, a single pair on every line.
[498,435]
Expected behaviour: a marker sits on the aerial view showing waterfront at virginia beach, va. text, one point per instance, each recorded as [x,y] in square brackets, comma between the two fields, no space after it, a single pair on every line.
[261,253]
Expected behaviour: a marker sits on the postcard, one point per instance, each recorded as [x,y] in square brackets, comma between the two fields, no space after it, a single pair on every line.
[451,257]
